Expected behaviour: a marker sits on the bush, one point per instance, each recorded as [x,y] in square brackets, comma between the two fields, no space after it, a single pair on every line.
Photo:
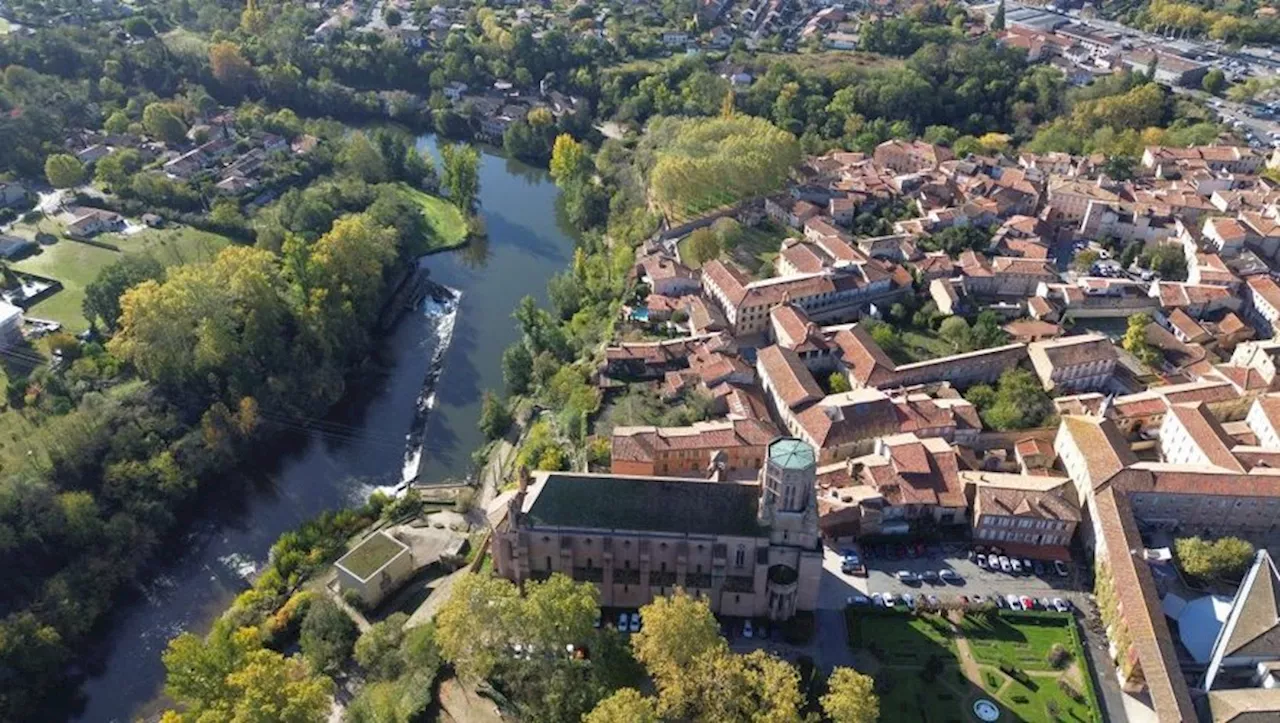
[328,635]
[1070,691]
[1058,656]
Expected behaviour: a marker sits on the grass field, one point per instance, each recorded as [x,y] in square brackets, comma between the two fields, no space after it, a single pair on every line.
[829,61]
[931,670]
[448,225]
[76,264]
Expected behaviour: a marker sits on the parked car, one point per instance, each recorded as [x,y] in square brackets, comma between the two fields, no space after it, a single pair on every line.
[1026,565]
[858,600]
[1061,605]
[622,622]
[635,622]
[1028,603]
[1005,565]
[747,631]
[1060,567]
[907,576]
[978,599]
[1016,565]
[1014,602]
[877,599]
[1038,567]
[889,600]
[1044,603]
[851,564]
[994,561]
[909,599]
[949,575]
[929,576]
[982,561]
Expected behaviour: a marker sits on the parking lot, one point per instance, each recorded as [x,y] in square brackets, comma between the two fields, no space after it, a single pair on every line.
[883,566]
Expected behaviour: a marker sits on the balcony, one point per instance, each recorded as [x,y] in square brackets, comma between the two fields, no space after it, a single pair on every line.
[695,579]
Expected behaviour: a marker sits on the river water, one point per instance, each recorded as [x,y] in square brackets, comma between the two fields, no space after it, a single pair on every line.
[360,445]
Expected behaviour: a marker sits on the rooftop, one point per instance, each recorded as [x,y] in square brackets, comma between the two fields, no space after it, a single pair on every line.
[651,504]
[791,453]
[369,556]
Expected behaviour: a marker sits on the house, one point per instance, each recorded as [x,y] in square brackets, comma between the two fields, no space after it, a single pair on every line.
[911,156]
[375,568]
[751,549]
[454,91]
[12,247]
[12,193]
[92,154]
[1080,363]
[699,450]
[10,325]
[89,222]
[1262,302]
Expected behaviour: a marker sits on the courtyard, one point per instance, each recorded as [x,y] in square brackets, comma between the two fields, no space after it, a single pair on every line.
[936,666]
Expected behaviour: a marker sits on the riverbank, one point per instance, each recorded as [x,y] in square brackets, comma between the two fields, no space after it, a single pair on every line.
[359,446]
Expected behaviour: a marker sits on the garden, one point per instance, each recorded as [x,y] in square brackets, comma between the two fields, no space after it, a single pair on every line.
[934,666]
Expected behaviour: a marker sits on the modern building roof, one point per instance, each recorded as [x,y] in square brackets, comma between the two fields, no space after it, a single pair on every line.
[372,555]
[1252,629]
[651,504]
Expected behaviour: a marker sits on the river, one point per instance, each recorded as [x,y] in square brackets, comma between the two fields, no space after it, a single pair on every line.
[359,445]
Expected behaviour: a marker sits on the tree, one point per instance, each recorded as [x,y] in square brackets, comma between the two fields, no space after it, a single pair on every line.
[1214,81]
[378,649]
[117,122]
[138,27]
[997,22]
[570,161]
[229,66]
[1135,339]
[327,635]
[197,668]
[362,159]
[956,330]
[102,295]
[1085,260]
[1224,558]
[702,246]
[1019,401]
[838,383]
[517,368]
[460,175]
[63,170]
[392,17]
[115,170]
[625,706]
[160,122]
[1168,260]
[677,631]
[476,625]
[495,418]
[850,697]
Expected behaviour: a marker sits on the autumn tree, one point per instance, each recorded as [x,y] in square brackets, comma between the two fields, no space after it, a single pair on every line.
[1224,558]
[1135,339]
[838,383]
[625,706]
[570,160]
[230,67]
[701,246]
[102,295]
[63,170]
[850,697]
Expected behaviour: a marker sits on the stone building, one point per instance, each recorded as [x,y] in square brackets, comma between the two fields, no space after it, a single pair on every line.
[752,549]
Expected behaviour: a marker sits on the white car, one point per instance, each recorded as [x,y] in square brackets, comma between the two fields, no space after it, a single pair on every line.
[1061,605]
[909,599]
[1005,565]
[622,622]
[747,632]
[635,622]
[1014,602]
[949,575]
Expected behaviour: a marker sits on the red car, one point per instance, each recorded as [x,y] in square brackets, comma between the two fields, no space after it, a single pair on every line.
[1028,603]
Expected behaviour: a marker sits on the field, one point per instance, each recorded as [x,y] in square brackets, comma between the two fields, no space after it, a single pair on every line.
[829,61]
[931,668]
[448,225]
[76,264]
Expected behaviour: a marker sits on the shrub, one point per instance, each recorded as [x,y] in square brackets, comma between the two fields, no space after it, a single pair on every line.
[1058,656]
[1070,691]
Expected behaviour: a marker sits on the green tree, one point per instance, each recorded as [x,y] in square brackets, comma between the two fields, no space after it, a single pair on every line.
[163,124]
[327,636]
[1135,339]
[517,368]
[362,159]
[378,649]
[1215,81]
[117,122]
[102,295]
[677,631]
[477,624]
[838,383]
[460,174]
[495,418]
[268,688]
[198,668]
[1224,558]
[998,22]
[1019,401]
[702,246]
[229,66]
[115,170]
[63,170]
[850,697]
[956,330]
[625,706]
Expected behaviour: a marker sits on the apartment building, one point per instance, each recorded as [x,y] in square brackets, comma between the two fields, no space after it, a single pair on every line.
[1033,510]
[1231,159]
[1262,302]
[1070,364]
[730,447]
[751,549]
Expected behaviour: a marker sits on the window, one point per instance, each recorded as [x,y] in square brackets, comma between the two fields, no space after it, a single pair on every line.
[548,562]
[739,557]
[737,599]
[589,562]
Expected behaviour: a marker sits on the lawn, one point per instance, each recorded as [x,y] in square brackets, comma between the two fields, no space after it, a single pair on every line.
[77,264]
[448,225]
[921,661]
[923,346]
